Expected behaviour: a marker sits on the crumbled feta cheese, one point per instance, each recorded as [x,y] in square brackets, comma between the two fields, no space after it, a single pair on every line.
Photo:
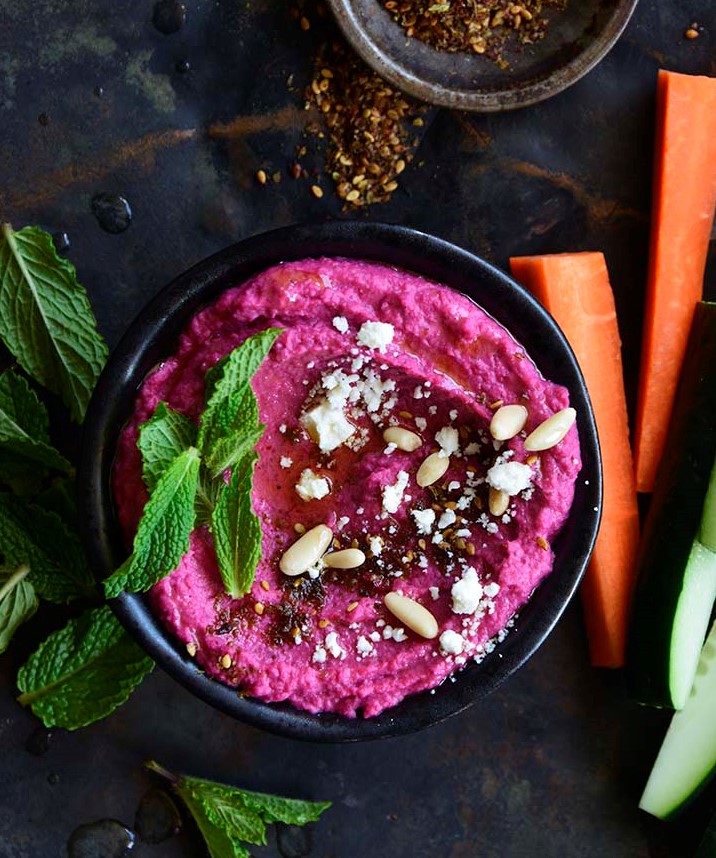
[282,428]
[446,519]
[391,448]
[472,449]
[451,642]
[464,532]
[333,646]
[342,522]
[435,593]
[453,415]
[374,636]
[433,410]
[364,646]
[421,423]
[418,393]
[466,593]
[312,487]
[453,486]
[376,545]
[328,426]
[491,589]
[424,519]
[319,655]
[448,440]
[340,323]
[510,477]
[393,495]
[376,335]
[399,635]
[286,461]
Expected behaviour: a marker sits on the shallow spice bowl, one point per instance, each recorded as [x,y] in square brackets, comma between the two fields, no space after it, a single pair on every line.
[153,337]
[576,39]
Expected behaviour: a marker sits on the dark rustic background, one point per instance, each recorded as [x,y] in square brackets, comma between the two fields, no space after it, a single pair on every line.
[94,99]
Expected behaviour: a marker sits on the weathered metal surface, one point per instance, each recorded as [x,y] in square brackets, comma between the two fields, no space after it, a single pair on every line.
[92,101]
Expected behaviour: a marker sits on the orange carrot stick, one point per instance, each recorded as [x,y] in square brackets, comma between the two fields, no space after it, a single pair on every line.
[684,196]
[575,289]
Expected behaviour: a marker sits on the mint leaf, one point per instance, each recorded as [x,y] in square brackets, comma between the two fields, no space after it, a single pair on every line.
[32,535]
[18,602]
[228,816]
[237,530]
[45,317]
[24,424]
[233,430]
[230,423]
[61,498]
[162,538]
[82,672]
[161,439]
[238,367]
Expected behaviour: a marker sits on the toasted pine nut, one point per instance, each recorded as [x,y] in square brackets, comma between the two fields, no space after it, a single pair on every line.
[412,614]
[432,469]
[306,551]
[348,558]
[191,648]
[226,661]
[498,501]
[551,432]
[403,439]
[508,421]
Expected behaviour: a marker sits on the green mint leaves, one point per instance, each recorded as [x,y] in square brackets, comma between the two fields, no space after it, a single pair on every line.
[229,817]
[18,602]
[82,672]
[35,536]
[183,468]
[24,432]
[45,317]
[162,538]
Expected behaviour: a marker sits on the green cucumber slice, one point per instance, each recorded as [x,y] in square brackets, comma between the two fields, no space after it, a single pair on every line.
[687,759]
[707,534]
[691,621]
[664,643]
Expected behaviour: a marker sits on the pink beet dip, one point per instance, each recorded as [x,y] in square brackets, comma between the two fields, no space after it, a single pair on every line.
[434,364]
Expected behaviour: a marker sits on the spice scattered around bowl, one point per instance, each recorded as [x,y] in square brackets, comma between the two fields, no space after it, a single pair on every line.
[489,27]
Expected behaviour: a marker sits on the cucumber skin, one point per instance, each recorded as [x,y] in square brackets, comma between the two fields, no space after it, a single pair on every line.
[674,515]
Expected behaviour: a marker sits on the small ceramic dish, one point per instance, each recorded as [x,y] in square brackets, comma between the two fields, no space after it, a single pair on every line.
[577,38]
[153,336]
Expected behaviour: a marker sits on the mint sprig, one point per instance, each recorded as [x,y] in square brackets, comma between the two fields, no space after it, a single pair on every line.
[229,817]
[18,602]
[179,497]
[45,317]
[162,538]
[82,672]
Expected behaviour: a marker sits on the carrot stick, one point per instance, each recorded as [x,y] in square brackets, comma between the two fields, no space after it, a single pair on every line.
[684,196]
[575,289]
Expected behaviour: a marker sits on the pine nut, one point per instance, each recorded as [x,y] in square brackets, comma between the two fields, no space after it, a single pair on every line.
[432,469]
[403,439]
[348,558]
[498,501]
[508,421]
[551,432]
[226,661]
[412,614]
[191,648]
[306,551]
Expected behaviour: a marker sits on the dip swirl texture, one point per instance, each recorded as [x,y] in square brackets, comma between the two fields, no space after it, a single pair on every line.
[436,365]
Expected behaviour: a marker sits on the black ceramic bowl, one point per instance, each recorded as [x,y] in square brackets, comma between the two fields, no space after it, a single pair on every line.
[152,337]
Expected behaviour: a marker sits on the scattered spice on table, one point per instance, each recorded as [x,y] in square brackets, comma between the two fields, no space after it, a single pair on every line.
[489,27]
[368,125]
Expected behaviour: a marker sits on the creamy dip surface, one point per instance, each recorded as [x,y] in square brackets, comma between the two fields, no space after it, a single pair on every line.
[364,348]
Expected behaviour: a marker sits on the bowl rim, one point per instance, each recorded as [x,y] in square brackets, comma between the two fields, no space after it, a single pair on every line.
[145,343]
[496,100]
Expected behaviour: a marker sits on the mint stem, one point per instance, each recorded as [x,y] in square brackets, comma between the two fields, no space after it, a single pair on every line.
[154,766]
[20,574]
